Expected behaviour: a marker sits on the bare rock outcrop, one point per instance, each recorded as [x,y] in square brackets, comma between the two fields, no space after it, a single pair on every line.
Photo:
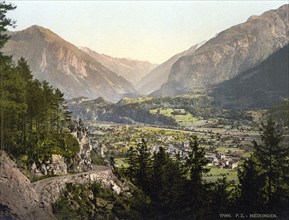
[83,156]
[55,166]
[18,198]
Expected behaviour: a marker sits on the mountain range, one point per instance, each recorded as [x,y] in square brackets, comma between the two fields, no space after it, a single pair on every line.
[230,53]
[213,66]
[263,86]
[131,70]
[159,75]
[66,66]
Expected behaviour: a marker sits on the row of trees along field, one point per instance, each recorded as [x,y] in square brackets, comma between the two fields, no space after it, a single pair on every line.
[176,189]
[33,114]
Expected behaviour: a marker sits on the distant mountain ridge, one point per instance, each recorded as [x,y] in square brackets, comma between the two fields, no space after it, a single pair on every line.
[159,75]
[65,66]
[230,53]
[132,70]
[83,72]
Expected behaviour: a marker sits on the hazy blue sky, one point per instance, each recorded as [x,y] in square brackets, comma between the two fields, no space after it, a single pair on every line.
[145,30]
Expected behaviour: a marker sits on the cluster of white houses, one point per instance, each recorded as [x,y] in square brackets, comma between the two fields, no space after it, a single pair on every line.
[216,159]
[223,161]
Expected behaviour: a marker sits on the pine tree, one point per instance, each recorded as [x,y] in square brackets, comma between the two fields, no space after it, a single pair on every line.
[159,183]
[220,200]
[12,104]
[143,166]
[5,22]
[140,166]
[25,73]
[131,160]
[4,63]
[251,187]
[273,158]
[160,160]
[197,189]
[24,70]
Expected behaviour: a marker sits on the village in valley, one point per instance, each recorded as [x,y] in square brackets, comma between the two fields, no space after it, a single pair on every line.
[226,144]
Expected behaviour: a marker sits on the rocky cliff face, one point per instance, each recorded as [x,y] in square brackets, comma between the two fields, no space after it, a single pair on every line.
[82,160]
[132,70]
[231,52]
[18,198]
[65,66]
[262,86]
[159,75]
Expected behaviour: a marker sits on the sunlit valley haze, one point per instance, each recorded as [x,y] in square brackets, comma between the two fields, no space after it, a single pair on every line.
[143,30]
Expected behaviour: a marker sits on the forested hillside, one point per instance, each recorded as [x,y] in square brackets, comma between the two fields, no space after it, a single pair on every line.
[33,114]
[148,110]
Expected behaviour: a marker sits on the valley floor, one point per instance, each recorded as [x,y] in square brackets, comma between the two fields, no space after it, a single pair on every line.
[226,145]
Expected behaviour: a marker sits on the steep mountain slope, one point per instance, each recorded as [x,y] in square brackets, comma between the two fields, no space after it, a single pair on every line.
[262,86]
[231,52]
[132,70]
[158,76]
[65,66]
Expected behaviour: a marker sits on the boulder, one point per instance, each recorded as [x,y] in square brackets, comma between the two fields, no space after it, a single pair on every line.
[74,205]
[58,165]
[109,206]
[100,202]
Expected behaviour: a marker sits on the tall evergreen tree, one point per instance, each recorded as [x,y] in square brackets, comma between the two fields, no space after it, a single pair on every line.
[5,22]
[12,104]
[160,160]
[167,186]
[197,189]
[143,166]
[264,176]
[131,160]
[251,187]
[220,197]
[26,75]
[273,158]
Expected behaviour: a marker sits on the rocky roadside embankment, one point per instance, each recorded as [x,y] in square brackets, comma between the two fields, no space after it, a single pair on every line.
[50,189]
[21,199]
[18,198]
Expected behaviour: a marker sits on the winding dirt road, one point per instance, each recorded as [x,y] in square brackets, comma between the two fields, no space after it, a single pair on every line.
[49,190]
[42,184]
